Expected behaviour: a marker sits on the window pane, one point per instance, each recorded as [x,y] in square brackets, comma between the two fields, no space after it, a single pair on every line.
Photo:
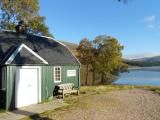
[57,74]
[57,79]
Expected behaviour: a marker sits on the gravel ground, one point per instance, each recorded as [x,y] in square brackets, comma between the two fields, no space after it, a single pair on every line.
[135,104]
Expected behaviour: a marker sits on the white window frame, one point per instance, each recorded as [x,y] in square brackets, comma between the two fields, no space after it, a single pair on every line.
[55,74]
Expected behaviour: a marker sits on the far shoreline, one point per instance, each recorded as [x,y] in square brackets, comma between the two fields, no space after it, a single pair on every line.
[152,68]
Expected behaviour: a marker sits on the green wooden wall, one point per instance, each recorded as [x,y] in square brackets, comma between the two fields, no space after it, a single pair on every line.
[10,87]
[47,82]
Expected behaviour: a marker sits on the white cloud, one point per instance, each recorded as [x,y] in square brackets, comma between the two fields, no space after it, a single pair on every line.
[150,19]
[151,22]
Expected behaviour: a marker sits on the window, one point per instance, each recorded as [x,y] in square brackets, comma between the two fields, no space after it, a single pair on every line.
[57,74]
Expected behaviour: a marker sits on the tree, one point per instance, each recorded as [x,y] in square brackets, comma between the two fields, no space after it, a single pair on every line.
[94,60]
[103,55]
[84,51]
[109,56]
[13,11]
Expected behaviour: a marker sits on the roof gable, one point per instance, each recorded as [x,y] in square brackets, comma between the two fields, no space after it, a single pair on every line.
[51,50]
[23,54]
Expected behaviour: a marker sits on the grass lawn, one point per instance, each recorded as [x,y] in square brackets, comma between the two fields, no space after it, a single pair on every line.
[81,102]
[2,110]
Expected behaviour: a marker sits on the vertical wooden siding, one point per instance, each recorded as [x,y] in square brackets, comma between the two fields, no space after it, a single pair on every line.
[47,82]
[10,93]
[66,79]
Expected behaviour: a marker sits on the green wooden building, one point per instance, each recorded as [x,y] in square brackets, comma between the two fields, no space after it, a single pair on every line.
[31,67]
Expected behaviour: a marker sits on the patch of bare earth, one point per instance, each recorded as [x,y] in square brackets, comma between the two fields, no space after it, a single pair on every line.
[135,104]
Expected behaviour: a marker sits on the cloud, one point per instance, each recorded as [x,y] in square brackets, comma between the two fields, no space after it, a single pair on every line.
[151,22]
[151,26]
[150,19]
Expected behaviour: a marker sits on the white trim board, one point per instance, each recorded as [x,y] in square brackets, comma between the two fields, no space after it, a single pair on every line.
[12,57]
[54,40]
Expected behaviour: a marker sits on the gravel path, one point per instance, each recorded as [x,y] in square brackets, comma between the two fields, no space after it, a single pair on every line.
[135,104]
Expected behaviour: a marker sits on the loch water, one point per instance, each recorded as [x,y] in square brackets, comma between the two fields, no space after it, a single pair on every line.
[140,77]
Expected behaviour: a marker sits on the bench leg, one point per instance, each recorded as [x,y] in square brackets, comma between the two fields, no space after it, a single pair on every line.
[62,95]
[77,92]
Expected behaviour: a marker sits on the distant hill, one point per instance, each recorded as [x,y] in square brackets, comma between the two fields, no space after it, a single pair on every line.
[71,46]
[144,62]
[148,59]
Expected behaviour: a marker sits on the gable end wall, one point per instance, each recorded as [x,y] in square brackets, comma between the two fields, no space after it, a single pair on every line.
[47,85]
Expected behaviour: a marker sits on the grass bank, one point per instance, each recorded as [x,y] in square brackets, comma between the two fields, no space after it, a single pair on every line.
[155,89]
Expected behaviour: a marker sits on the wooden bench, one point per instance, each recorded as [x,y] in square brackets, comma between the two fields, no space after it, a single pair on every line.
[67,88]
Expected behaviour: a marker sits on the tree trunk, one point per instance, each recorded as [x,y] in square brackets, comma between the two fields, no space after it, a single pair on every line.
[102,79]
[93,77]
[86,74]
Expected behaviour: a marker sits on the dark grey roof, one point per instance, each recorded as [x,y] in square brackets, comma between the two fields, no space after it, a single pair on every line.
[25,57]
[50,50]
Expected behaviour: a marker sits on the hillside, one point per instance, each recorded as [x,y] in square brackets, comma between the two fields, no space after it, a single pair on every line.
[149,59]
[71,46]
[144,62]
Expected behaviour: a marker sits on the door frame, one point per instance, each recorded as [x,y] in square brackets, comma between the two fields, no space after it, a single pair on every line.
[38,82]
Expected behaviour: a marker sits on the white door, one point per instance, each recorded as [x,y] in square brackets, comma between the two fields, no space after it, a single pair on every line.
[26,86]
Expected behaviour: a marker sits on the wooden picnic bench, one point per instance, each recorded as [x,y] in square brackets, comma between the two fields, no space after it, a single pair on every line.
[67,88]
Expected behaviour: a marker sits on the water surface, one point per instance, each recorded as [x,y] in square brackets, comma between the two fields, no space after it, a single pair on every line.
[140,77]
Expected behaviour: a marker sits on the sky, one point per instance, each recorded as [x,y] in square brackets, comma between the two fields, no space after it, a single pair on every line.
[135,24]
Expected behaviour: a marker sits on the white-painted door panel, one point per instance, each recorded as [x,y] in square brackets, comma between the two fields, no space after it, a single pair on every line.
[26,86]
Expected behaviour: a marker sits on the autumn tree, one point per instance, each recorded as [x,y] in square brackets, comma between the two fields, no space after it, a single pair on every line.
[109,58]
[94,60]
[104,55]
[13,11]
[84,51]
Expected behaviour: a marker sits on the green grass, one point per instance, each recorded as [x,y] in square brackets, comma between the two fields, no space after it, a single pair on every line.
[155,89]
[104,88]
[44,115]
[107,88]
[3,110]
